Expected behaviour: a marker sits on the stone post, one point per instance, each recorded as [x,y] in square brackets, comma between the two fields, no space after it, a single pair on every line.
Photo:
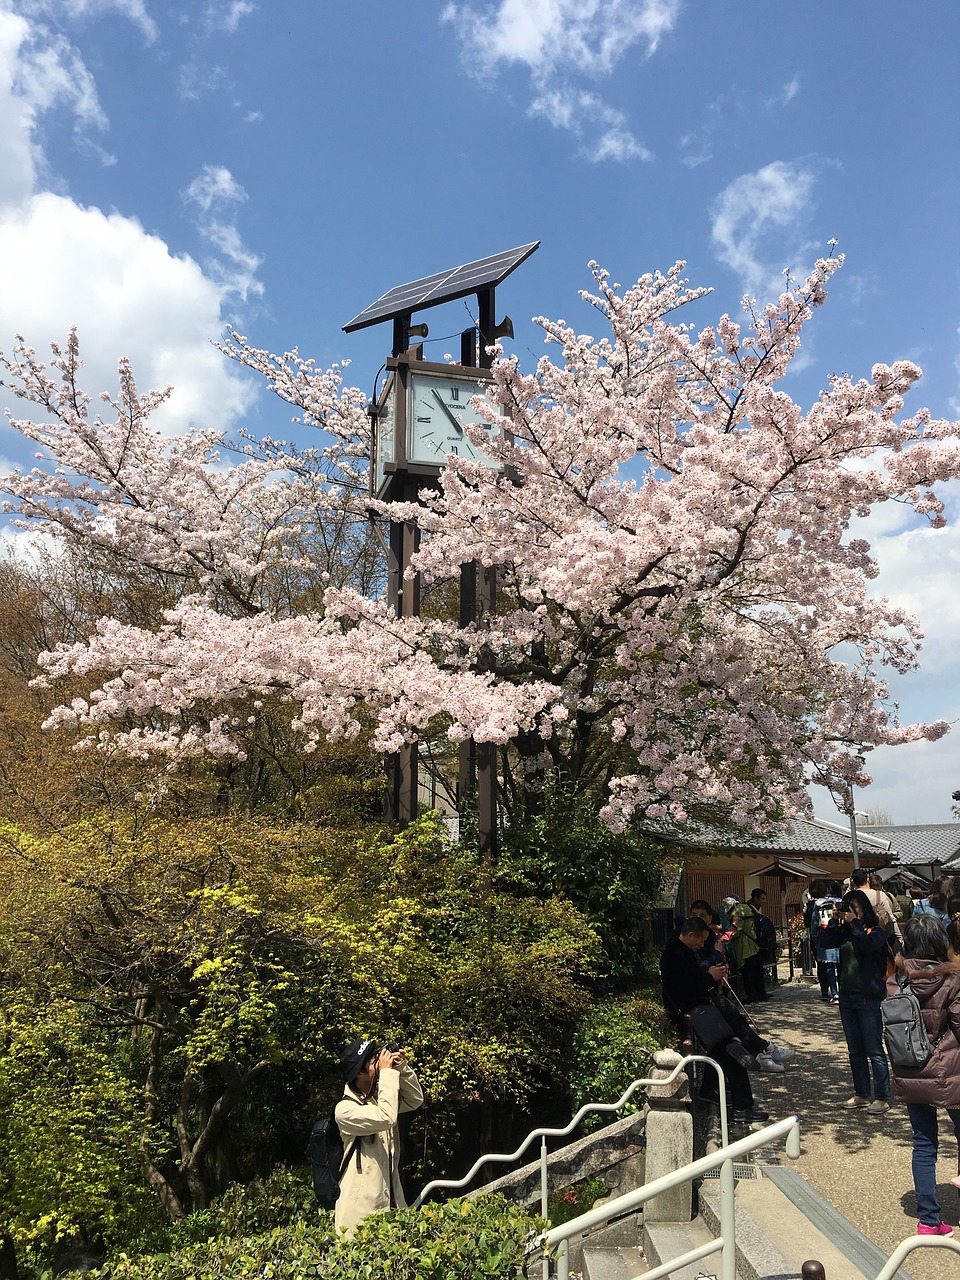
[669,1128]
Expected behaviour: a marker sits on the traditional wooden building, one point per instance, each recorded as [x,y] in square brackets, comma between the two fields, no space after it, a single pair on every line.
[714,863]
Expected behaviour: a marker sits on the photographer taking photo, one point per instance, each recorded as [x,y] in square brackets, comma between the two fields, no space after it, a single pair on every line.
[380,1083]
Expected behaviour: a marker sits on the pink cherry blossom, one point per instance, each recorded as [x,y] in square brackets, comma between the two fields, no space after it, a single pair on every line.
[682,618]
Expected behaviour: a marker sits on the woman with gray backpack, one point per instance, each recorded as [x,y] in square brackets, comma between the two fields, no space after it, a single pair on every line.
[935,981]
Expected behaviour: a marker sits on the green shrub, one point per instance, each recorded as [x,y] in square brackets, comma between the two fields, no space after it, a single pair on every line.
[285,1196]
[571,1202]
[614,1044]
[484,1238]
[613,879]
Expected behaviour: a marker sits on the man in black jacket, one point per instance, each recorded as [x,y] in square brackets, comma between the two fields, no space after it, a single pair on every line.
[685,985]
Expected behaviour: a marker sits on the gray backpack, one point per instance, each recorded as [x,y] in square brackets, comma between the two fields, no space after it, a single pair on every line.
[908,1045]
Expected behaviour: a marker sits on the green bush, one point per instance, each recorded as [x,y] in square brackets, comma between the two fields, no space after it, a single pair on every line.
[285,1196]
[571,1202]
[613,879]
[484,1238]
[614,1044]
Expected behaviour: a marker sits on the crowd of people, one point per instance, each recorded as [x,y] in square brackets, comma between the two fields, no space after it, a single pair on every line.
[869,939]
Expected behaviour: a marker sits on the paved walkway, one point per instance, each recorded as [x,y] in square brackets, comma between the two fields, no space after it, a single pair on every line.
[859,1163]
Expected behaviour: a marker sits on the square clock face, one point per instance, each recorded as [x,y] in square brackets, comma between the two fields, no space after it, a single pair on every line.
[438,408]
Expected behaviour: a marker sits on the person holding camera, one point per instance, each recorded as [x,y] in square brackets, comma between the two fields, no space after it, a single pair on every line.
[862,979]
[380,1084]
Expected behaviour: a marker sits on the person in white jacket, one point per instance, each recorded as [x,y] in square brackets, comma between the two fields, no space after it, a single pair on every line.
[380,1084]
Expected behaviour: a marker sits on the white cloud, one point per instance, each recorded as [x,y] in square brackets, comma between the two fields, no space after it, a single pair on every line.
[559,42]
[234,265]
[214,185]
[17,157]
[76,10]
[66,266]
[919,570]
[600,128]
[199,78]
[226,15]
[758,223]
[619,144]
[912,783]
[128,296]
[788,92]
[39,70]
[591,36]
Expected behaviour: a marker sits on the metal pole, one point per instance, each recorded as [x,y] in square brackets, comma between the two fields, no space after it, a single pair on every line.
[563,1260]
[544,1199]
[853,832]
[728,1222]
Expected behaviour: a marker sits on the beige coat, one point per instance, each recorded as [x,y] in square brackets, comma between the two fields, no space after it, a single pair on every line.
[374,1123]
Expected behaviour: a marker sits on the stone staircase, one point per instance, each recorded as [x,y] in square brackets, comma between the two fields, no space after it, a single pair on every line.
[781,1223]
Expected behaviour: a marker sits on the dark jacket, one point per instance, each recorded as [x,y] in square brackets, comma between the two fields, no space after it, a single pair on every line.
[872,955]
[937,988]
[684,983]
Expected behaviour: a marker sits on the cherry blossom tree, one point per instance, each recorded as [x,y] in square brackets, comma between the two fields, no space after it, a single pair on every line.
[683,618]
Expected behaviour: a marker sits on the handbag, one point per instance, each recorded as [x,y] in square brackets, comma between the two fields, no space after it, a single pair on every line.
[710,1026]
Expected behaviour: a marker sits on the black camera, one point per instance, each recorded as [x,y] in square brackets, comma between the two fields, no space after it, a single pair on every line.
[394,1046]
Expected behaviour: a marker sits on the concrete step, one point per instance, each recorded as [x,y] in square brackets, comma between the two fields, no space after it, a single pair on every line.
[782,1221]
[665,1240]
[601,1263]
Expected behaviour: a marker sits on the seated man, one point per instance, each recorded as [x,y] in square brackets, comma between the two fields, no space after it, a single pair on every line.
[685,985]
[770,1056]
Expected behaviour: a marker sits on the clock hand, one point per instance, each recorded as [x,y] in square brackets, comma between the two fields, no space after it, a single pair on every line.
[446,409]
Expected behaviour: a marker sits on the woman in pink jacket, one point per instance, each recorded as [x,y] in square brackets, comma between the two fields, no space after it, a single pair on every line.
[935,980]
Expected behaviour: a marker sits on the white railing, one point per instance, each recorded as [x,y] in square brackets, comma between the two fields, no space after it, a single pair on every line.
[587,1109]
[893,1263]
[558,1238]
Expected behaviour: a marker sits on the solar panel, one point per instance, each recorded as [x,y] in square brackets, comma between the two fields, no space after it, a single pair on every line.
[443,286]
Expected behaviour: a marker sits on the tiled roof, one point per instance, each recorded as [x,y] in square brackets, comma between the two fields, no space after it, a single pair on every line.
[937,842]
[903,846]
[797,836]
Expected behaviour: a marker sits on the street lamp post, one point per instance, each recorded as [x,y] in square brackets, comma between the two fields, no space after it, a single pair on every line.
[854,814]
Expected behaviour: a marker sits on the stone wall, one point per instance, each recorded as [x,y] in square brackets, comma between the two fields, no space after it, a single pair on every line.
[615,1154]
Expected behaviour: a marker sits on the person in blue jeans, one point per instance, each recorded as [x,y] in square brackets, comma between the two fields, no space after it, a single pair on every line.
[862,982]
[935,981]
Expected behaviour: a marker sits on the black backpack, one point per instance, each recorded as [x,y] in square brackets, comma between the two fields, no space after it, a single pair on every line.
[328,1160]
[908,1045]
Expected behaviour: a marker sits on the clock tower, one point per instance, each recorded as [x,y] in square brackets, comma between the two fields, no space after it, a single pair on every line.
[419,420]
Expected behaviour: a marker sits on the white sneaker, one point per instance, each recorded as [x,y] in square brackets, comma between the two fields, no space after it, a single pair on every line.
[781,1052]
[767,1062]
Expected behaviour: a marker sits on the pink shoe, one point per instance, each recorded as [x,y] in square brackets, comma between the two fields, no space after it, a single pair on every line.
[955,1182]
[943,1229]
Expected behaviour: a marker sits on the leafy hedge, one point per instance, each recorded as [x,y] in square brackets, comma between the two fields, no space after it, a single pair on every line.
[285,1196]
[484,1238]
[614,1044]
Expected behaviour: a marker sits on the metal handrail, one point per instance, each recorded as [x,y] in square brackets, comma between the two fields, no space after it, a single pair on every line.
[893,1263]
[559,1237]
[586,1109]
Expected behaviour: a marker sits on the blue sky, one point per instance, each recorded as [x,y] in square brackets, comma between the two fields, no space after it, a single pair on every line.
[167,168]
